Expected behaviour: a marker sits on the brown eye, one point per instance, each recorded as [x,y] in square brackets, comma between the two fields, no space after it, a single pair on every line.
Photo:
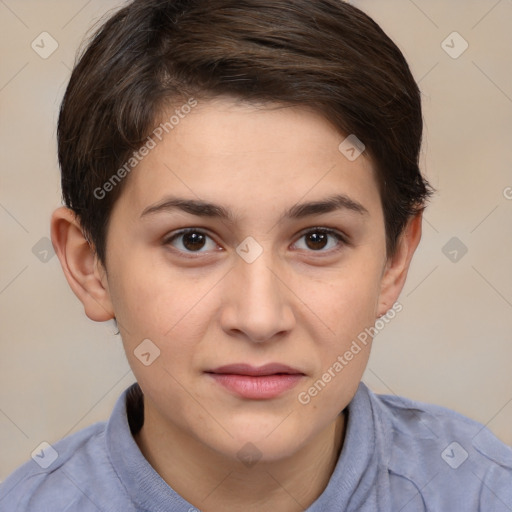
[191,240]
[316,240]
[321,240]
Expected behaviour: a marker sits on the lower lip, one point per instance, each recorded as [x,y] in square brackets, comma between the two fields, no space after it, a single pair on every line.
[257,388]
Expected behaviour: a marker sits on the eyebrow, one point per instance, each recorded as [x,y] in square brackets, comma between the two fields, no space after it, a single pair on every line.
[201,208]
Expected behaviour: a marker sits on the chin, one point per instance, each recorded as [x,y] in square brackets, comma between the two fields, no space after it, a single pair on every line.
[265,444]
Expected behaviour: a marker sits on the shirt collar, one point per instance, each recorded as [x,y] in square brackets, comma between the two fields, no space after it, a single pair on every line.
[142,483]
[350,485]
[353,480]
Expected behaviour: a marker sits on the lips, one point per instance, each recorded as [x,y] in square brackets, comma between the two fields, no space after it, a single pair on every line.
[256,383]
[246,369]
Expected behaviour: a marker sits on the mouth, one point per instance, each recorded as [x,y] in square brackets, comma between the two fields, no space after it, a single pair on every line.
[256,383]
[256,371]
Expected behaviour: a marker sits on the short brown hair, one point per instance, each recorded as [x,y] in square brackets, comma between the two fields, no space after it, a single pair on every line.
[324,54]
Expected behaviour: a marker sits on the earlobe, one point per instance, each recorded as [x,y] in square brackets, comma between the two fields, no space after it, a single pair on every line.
[397,266]
[80,265]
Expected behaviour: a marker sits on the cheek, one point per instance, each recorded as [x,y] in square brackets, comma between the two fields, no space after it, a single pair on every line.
[348,308]
[171,310]
[347,304]
[345,301]
[151,298]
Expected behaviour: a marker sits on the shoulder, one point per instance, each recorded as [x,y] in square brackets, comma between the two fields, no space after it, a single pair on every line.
[444,455]
[77,466]
[413,421]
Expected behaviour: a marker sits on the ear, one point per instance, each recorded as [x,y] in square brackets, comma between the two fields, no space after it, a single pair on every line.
[397,266]
[84,273]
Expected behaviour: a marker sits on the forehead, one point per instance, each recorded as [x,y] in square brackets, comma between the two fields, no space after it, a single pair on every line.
[249,155]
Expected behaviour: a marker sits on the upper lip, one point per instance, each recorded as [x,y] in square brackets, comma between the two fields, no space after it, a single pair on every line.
[247,369]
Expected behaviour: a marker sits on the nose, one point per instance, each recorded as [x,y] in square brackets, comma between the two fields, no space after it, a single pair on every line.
[257,302]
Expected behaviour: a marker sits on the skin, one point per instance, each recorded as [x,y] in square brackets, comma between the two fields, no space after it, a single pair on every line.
[300,303]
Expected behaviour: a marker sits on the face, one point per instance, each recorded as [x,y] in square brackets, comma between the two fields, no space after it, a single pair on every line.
[246,238]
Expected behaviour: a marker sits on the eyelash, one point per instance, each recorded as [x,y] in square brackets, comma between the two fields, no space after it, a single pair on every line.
[341,239]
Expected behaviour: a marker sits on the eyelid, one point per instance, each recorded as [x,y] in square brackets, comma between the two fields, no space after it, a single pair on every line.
[184,231]
[325,229]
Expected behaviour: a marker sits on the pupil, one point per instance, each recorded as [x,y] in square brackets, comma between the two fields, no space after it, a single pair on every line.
[316,240]
[193,241]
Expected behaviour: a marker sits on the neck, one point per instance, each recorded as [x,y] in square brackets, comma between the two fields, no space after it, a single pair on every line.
[213,482]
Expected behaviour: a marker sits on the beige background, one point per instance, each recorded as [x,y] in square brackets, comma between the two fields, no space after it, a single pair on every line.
[451,345]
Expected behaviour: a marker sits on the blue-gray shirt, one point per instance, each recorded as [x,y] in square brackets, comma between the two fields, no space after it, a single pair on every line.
[398,455]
